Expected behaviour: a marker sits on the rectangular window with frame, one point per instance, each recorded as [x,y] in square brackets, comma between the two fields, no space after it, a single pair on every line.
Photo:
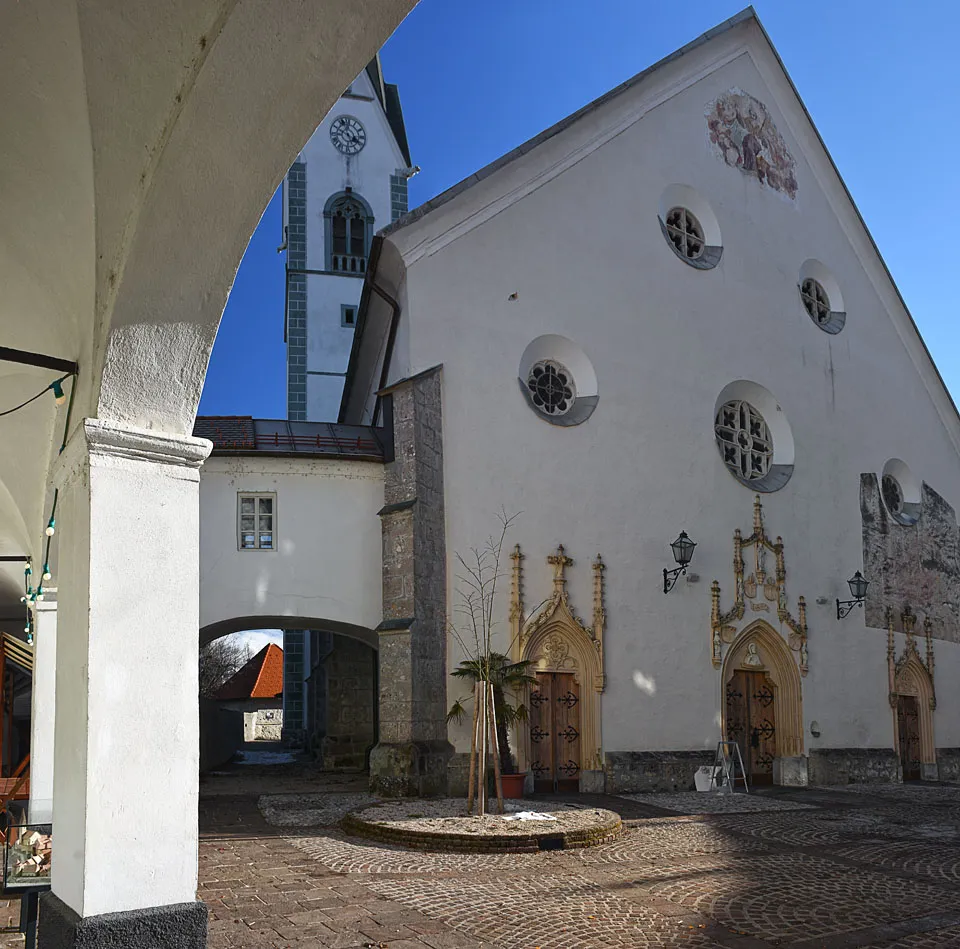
[348,315]
[256,521]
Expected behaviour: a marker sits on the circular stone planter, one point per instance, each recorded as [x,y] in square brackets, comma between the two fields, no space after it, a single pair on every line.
[444,825]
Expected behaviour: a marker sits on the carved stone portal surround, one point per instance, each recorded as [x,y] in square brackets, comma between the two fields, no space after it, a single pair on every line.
[554,639]
[911,675]
[764,594]
[758,646]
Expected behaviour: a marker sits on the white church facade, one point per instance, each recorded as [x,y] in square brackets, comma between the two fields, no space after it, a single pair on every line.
[663,314]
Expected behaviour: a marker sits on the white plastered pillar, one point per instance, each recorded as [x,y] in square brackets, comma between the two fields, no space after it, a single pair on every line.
[127,723]
[43,708]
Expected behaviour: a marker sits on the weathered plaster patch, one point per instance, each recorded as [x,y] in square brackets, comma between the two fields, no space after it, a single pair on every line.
[916,564]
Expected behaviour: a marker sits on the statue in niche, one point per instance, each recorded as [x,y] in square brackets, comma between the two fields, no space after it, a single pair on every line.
[752,658]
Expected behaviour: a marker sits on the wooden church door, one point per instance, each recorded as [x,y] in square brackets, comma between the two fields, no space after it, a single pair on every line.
[555,732]
[752,723]
[908,729]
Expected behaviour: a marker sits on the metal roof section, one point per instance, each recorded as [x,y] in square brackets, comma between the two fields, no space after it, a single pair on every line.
[245,435]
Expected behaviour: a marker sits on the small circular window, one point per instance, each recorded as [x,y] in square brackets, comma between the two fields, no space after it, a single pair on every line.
[551,387]
[901,492]
[892,495]
[815,301]
[744,440]
[685,233]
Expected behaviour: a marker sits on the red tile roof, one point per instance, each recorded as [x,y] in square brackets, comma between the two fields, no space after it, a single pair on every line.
[260,678]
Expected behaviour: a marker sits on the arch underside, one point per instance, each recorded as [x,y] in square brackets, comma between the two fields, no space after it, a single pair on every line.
[239,624]
[777,662]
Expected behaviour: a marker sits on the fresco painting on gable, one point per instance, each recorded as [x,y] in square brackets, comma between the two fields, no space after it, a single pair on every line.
[744,134]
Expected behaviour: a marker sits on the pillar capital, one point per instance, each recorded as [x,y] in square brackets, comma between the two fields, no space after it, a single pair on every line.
[109,442]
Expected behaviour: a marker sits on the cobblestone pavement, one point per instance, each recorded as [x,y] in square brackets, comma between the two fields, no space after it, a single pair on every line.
[861,869]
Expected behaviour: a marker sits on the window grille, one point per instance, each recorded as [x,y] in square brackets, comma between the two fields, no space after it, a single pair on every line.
[685,233]
[815,300]
[551,387]
[744,440]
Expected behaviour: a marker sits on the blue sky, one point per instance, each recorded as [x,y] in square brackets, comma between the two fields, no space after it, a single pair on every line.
[477,79]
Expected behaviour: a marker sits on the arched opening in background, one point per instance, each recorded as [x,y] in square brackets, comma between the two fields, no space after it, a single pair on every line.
[316,700]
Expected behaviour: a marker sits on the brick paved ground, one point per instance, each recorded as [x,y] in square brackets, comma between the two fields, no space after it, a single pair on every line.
[871,870]
[867,868]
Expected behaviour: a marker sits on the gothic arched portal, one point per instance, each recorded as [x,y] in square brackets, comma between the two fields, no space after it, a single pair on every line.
[761,704]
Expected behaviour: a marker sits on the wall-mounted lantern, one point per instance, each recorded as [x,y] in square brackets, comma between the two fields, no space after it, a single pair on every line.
[858,590]
[682,549]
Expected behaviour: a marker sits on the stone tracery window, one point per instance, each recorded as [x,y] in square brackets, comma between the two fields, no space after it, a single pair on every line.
[815,301]
[892,494]
[551,387]
[685,233]
[744,440]
[349,230]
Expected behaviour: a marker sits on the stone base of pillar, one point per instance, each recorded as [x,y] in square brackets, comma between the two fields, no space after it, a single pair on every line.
[410,769]
[180,926]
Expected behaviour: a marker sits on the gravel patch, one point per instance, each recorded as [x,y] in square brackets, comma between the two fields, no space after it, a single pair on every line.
[703,802]
[311,810]
[449,816]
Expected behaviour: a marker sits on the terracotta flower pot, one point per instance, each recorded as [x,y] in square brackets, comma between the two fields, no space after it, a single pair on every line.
[513,784]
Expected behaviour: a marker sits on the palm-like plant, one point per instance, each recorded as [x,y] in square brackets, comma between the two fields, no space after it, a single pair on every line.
[507,678]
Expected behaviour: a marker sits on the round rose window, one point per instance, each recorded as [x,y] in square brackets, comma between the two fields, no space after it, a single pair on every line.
[551,387]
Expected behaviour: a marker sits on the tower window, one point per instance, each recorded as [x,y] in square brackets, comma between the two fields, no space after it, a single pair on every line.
[349,228]
[348,315]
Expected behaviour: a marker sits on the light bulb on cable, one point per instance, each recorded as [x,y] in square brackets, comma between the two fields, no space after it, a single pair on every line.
[58,395]
[29,638]
[51,528]
[46,571]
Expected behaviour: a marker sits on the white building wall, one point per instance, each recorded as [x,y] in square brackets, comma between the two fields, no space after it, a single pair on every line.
[326,565]
[585,255]
[328,172]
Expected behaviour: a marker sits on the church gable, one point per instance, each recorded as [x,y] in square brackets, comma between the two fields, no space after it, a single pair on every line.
[715,134]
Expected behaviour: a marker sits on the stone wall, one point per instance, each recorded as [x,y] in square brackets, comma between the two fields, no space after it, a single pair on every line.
[350,693]
[411,757]
[948,764]
[265,724]
[652,770]
[915,564]
[853,766]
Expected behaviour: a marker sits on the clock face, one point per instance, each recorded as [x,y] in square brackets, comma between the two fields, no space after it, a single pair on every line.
[347,135]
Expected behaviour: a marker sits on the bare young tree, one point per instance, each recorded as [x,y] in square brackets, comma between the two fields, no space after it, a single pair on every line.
[218,661]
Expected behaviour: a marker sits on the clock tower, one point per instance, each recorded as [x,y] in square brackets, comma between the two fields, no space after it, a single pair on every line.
[349,180]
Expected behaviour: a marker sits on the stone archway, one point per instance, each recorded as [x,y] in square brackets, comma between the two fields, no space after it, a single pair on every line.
[760,649]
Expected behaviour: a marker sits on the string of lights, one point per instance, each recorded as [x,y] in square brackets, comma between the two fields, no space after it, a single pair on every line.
[56,386]
[32,595]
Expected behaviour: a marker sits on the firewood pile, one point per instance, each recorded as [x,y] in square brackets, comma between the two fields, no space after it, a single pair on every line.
[30,856]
